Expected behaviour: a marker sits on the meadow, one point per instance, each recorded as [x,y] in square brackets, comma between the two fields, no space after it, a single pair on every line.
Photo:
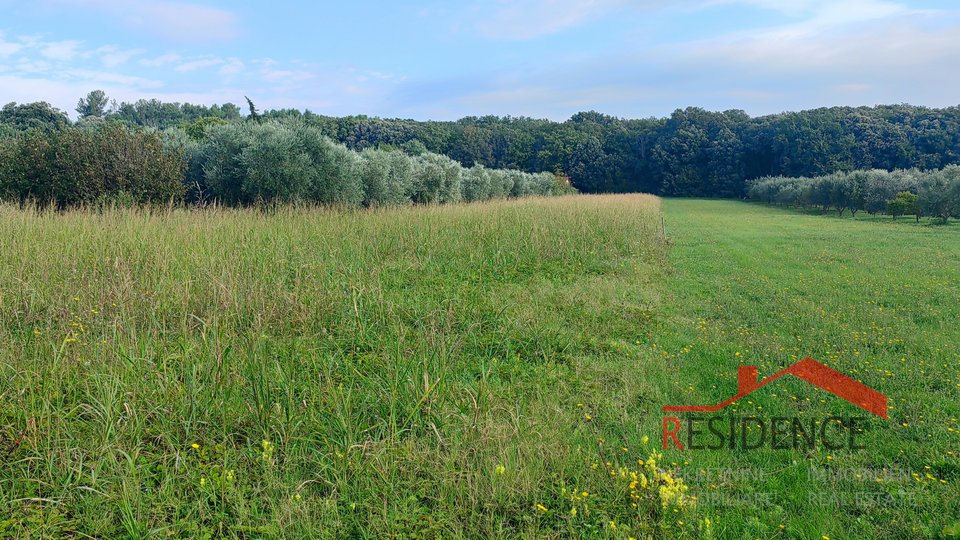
[491,370]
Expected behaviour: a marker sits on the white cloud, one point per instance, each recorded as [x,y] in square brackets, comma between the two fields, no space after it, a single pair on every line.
[111,56]
[233,67]
[194,65]
[63,92]
[95,78]
[862,36]
[62,51]
[161,60]
[181,21]
[276,75]
[527,19]
[8,48]
[33,66]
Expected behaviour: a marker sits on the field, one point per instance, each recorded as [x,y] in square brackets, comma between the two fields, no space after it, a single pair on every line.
[484,370]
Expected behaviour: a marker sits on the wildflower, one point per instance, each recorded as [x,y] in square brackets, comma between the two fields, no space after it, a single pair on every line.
[296,497]
[195,446]
[203,481]
[644,440]
[541,507]
[501,469]
[573,512]
[267,453]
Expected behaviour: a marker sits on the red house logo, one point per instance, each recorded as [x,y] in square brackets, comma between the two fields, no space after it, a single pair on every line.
[809,370]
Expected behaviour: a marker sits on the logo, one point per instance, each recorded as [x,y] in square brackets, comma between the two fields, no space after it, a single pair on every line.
[794,430]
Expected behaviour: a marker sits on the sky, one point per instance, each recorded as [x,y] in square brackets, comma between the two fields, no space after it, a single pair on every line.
[443,60]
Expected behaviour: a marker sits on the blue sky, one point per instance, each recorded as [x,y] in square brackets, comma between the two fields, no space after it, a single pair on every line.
[434,59]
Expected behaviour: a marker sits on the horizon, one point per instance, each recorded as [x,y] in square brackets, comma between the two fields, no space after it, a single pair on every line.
[541,59]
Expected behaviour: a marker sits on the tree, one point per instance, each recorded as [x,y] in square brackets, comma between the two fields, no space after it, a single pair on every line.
[254,115]
[904,203]
[37,115]
[94,105]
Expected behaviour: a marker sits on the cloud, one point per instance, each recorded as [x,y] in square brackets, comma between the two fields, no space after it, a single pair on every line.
[862,36]
[194,65]
[62,51]
[33,66]
[284,75]
[8,48]
[821,53]
[528,19]
[180,21]
[111,56]
[233,66]
[162,60]
[95,78]
[63,92]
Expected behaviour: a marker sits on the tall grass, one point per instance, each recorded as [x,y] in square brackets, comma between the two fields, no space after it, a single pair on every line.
[427,371]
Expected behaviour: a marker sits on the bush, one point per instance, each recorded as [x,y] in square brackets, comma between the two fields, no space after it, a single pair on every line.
[436,179]
[904,203]
[96,163]
[237,164]
[336,177]
[901,192]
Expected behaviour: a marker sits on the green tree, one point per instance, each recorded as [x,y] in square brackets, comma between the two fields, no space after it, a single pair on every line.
[94,105]
[904,203]
[37,115]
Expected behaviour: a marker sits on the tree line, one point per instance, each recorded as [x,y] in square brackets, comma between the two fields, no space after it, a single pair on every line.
[43,158]
[693,152]
[934,193]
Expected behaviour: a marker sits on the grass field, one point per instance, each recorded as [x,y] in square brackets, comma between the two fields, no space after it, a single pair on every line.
[490,370]
[875,299]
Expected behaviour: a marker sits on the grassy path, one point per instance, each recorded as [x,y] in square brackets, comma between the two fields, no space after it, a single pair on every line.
[878,301]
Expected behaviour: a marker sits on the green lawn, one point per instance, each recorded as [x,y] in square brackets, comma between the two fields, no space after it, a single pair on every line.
[486,371]
[877,300]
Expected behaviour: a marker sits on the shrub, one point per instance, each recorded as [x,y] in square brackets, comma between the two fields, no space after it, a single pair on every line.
[375,175]
[476,183]
[336,178]
[277,167]
[96,163]
[240,163]
[436,179]
[902,204]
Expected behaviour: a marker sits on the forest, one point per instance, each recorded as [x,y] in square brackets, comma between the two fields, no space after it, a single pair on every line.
[693,152]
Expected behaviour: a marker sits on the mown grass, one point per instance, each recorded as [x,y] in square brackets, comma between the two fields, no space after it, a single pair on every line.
[876,299]
[479,371]
[422,372]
